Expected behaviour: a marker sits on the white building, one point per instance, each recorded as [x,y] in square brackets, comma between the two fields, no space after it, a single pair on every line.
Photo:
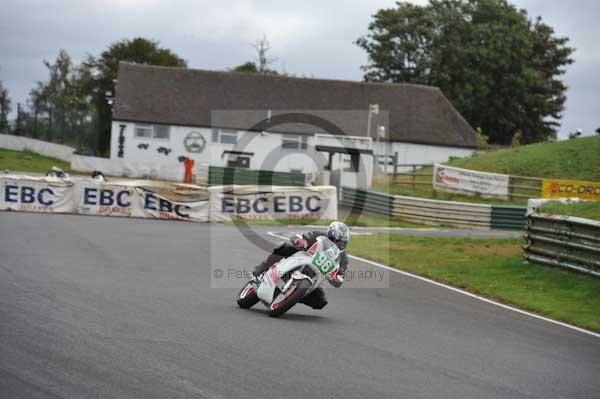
[280,123]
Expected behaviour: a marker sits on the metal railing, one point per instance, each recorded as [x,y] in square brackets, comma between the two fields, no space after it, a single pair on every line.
[428,211]
[563,241]
[436,212]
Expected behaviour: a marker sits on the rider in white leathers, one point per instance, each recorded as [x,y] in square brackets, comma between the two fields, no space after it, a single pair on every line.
[337,232]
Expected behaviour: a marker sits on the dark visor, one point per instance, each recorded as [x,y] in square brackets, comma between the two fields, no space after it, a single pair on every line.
[341,244]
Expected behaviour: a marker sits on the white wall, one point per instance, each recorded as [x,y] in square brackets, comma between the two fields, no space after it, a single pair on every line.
[267,150]
[20,143]
[268,154]
[419,153]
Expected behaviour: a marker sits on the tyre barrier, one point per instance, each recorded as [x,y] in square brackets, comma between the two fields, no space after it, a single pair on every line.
[434,212]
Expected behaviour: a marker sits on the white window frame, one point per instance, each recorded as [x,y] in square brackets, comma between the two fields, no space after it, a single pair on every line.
[228,133]
[218,134]
[153,130]
[148,128]
[294,142]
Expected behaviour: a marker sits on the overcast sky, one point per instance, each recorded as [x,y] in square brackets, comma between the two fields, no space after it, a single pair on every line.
[310,38]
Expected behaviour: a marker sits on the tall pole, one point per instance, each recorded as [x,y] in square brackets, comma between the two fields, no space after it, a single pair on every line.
[381,133]
[18,127]
[62,126]
[373,109]
[35,120]
[377,146]
[50,122]
[387,155]
[369,123]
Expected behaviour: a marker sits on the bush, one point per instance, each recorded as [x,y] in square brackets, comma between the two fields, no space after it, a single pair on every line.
[482,139]
[516,139]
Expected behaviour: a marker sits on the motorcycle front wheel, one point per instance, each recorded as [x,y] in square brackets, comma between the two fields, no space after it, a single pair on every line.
[284,301]
[247,297]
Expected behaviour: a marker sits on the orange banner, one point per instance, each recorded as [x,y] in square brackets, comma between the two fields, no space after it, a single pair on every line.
[555,188]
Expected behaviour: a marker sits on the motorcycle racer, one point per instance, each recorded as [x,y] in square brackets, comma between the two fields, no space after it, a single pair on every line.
[338,233]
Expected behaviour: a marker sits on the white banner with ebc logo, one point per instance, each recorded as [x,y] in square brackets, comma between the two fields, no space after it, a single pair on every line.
[151,204]
[469,182]
[103,199]
[36,195]
[127,198]
[272,202]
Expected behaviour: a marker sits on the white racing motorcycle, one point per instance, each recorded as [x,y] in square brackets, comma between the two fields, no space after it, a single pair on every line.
[292,278]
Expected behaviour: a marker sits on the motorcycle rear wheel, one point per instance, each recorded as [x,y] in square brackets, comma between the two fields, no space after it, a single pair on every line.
[299,291]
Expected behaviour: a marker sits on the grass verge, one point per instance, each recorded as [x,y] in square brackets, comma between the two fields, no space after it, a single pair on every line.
[25,161]
[587,209]
[492,268]
[568,159]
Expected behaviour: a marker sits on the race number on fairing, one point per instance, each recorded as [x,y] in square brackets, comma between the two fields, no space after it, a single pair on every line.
[323,262]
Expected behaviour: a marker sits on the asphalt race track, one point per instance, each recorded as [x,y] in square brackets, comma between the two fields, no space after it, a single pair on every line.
[96,307]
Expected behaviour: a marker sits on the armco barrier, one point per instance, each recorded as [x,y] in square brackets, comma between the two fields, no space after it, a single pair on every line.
[563,241]
[429,211]
[367,200]
[222,176]
[508,217]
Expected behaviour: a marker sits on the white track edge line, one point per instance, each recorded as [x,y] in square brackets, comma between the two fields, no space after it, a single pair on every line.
[467,293]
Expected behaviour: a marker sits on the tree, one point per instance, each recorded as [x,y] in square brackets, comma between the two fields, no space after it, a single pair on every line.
[262,47]
[500,69]
[263,61]
[40,105]
[36,105]
[5,108]
[248,67]
[60,99]
[399,45]
[101,73]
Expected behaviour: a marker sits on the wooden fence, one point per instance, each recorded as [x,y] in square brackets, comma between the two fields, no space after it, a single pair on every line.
[421,176]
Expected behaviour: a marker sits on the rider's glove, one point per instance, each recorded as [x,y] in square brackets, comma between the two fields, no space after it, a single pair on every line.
[335,279]
[299,242]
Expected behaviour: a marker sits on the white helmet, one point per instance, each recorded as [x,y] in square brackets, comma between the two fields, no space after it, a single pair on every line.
[339,233]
